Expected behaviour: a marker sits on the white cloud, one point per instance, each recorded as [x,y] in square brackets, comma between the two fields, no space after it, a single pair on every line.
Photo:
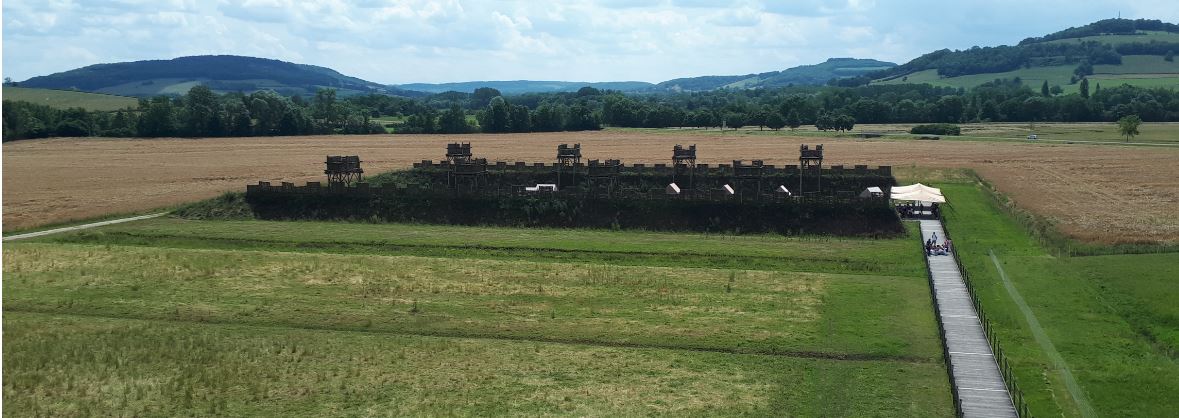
[399,41]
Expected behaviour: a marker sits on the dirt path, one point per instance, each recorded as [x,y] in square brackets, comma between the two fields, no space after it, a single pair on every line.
[1097,193]
[80,227]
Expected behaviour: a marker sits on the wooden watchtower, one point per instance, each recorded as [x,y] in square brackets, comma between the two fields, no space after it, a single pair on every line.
[684,159]
[472,171]
[458,152]
[464,168]
[810,161]
[568,157]
[343,169]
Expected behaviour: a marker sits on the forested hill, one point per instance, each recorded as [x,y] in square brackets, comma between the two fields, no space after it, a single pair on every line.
[817,74]
[1100,43]
[221,73]
[526,86]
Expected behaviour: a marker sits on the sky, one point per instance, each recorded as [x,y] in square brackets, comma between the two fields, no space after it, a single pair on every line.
[406,41]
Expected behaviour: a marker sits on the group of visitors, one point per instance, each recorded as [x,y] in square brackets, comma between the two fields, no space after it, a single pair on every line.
[933,248]
[910,210]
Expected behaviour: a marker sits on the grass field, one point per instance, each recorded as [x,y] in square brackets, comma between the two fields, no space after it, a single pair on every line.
[62,99]
[1112,319]
[429,320]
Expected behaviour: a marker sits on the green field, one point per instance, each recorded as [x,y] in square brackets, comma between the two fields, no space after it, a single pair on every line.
[1143,37]
[1113,319]
[62,99]
[180,317]
[1135,70]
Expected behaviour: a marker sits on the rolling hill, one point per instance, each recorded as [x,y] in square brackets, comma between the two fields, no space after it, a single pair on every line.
[1121,51]
[816,74]
[222,73]
[526,86]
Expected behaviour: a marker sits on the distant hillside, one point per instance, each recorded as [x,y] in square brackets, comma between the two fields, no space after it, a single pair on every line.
[1111,52]
[526,86]
[62,99]
[222,73]
[802,75]
[1108,27]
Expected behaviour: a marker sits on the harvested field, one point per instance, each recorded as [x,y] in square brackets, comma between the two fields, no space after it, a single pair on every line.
[1102,194]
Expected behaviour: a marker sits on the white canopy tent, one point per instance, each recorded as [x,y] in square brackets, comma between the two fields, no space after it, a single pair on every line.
[915,187]
[919,195]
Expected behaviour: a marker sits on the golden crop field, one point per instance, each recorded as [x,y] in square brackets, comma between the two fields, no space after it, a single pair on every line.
[1096,193]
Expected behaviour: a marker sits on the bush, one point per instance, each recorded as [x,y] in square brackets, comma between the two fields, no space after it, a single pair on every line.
[936,129]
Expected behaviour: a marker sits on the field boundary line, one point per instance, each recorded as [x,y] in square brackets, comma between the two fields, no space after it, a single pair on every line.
[83,226]
[1045,343]
[816,355]
[405,250]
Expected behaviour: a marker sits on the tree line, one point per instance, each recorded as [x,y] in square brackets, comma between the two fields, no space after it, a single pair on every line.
[201,113]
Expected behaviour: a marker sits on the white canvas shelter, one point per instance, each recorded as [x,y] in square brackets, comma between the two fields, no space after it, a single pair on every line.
[783,190]
[673,189]
[728,190]
[915,187]
[920,196]
[872,192]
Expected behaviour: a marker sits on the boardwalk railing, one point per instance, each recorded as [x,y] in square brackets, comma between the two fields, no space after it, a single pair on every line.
[941,331]
[1005,369]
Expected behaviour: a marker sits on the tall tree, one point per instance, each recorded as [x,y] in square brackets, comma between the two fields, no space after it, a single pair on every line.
[1044,89]
[1128,126]
[203,112]
[482,97]
[775,121]
[159,118]
[496,118]
[325,107]
[792,120]
[453,121]
[1085,88]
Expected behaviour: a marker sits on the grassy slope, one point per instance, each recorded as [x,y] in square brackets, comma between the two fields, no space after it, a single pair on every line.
[789,324]
[1112,318]
[66,99]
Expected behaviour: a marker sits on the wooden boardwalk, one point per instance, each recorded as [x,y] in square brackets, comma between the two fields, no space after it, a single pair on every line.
[977,381]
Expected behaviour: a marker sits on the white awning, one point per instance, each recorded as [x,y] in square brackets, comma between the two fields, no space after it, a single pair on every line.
[920,196]
[915,187]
